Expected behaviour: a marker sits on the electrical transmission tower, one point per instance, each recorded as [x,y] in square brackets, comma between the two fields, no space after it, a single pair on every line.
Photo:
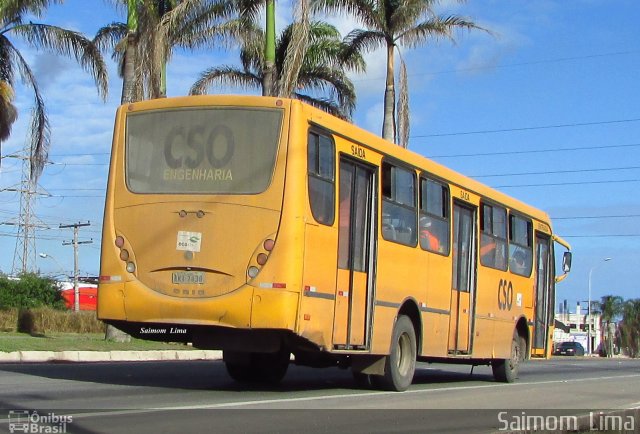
[24,256]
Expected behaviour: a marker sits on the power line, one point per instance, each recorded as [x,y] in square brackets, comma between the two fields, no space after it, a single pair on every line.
[567,183]
[551,172]
[509,65]
[535,151]
[87,154]
[601,236]
[540,127]
[596,217]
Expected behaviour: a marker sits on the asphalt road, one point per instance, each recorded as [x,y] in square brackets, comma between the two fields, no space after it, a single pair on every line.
[196,396]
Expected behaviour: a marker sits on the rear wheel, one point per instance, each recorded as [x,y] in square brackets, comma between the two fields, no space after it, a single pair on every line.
[506,370]
[400,365]
[257,367]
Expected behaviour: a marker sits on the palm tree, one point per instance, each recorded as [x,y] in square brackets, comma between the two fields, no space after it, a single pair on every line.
[611,307]
[392,23]
[154,28]
[630,327]
[322,69]
[15,22]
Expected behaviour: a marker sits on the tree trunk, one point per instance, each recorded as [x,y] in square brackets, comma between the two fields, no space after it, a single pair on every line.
[128,79]
[389,120]
[268,75]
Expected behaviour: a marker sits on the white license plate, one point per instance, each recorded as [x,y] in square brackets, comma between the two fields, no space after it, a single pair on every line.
[187,277]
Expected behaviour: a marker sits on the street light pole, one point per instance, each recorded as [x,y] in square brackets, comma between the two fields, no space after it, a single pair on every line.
[589,346]
[48,256]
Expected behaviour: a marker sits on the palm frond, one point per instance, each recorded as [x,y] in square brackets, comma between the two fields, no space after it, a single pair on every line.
[13,11]
[225,75]
[408,12]
[403,107]
[6,66]
[365,11]
[324,104]
[107,38]
[70,44]
[40,134]
[334,81]
[295,52]
[359,41]
[436,27]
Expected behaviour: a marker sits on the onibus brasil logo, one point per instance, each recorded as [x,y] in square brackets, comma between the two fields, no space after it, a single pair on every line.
[32,422]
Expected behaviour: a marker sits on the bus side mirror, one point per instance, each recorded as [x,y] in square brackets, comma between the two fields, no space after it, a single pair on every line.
[566,262]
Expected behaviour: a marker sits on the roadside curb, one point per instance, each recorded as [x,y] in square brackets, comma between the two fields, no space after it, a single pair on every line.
[107,356]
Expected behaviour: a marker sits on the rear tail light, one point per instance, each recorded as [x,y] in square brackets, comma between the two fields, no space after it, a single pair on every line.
[125,256]
[260,257]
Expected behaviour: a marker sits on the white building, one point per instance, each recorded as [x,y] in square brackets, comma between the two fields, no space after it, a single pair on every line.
[578,325]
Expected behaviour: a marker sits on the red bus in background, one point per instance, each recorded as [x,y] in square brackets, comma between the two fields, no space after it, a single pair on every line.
[88,295]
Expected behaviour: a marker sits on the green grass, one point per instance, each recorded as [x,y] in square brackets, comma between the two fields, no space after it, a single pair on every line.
[10,342]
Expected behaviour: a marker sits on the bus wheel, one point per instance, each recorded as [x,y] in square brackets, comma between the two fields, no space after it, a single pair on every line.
[401,363]
[259,368]
[506,370]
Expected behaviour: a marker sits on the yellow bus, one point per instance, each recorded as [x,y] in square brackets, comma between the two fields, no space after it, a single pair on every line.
[277,233]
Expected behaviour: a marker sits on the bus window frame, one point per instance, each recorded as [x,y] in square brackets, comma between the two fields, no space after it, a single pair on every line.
[530,248]
[391,200]
[317,176]
[485,202]
[423,212]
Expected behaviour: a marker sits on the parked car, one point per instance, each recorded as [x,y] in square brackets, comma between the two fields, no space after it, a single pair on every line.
[569,349]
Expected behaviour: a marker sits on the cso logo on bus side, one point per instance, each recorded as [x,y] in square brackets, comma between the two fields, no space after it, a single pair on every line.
[190,147]
[505,295]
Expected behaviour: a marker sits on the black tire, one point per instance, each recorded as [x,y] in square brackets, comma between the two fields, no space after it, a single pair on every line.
[507,370]
[400,364]
[269,368]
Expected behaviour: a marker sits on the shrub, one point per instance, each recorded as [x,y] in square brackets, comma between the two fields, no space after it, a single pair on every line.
[29,291]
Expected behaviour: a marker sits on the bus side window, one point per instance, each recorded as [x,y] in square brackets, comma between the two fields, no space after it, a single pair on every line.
[321,176]
[493,237]
[399,205]
[520,246]
[434,216]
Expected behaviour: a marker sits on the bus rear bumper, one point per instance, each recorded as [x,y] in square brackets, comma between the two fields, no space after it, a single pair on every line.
[148,314]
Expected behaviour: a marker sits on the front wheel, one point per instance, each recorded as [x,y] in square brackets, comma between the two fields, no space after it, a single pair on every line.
[506,370]
[400,364]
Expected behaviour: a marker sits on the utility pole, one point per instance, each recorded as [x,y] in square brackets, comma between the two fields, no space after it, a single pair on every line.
[76,228]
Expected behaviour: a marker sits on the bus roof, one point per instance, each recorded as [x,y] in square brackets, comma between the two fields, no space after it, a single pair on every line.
[370,140]
[356,134]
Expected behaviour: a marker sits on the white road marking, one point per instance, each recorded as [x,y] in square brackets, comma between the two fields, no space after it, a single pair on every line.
[326,397]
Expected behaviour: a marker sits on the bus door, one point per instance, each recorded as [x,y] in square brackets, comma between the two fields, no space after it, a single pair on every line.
[543,295]
[463,282]
[356,256]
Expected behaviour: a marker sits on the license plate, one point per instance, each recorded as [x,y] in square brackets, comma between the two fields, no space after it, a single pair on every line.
[187,277]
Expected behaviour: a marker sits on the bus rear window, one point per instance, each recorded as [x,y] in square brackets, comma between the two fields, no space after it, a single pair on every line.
[202,150]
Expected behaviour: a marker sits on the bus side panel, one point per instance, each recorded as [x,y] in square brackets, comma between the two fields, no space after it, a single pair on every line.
[487,311]
[111,301]
[319,281]
[401,271]
[438,298]
[266,302]
[384,317]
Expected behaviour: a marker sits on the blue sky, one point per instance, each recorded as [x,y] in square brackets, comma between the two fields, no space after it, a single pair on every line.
[545,109]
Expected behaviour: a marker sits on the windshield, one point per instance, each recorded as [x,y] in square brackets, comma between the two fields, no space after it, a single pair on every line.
[202,150]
